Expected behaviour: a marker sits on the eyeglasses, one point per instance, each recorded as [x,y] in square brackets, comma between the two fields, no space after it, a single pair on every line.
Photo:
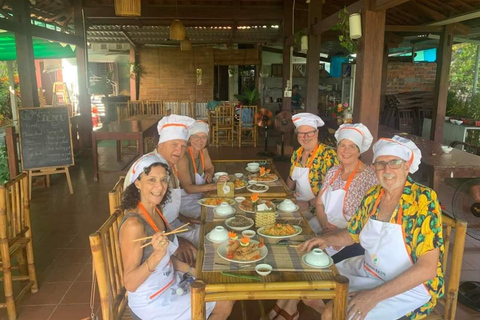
[392,164]
[200,137]
[306,134]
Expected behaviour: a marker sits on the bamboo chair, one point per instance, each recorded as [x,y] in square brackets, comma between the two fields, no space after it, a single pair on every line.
[200,111]
[107,261]
[171,105]
[154,107]
[122,111]
[247,124]
[16,241]
[223,128]
[453,271]
[186,108]
[115,196]
[135,108]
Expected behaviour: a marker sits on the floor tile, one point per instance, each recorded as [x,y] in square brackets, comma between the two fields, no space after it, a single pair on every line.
[79,293]
[59,272]
[49,293]
[71,312]
[74,255]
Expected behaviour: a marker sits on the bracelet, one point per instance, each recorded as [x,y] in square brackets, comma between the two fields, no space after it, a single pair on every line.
[148,268]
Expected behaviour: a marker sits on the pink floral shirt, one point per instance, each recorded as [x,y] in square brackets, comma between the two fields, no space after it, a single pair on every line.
[358,187]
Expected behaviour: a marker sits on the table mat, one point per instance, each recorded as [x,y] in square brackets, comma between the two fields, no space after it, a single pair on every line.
[281,258]
[210,216]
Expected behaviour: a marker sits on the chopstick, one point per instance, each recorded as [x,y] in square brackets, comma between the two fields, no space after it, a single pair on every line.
[173,232]
[165,234]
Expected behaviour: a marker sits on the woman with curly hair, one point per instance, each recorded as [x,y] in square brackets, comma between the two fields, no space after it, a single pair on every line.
[153,275]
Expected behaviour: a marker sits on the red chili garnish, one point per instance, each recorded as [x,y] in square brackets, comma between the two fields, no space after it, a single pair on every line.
[260,245]
[257,257]
[230,256]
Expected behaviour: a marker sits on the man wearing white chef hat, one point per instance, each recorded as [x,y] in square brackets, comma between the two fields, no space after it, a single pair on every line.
[172,144]
[311,161]
[399,225]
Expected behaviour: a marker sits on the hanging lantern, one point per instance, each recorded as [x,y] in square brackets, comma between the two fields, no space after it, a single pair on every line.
[185,44]
[304,43]
[177,30]
[355,22]
[128,8]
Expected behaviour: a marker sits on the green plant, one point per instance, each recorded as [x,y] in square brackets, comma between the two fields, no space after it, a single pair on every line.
[4,173]
[249,97]
[297,38]
[136,70]
[344,27]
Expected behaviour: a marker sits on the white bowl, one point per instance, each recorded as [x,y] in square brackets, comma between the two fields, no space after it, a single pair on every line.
[219,234]
[239,175]
[224,209]
[219,174]
[252,182]
[253,165]
[317,258]
[263,269]
[287,205]
[459,122]
[239,199]
[249,233]
[447,118]
[446,149]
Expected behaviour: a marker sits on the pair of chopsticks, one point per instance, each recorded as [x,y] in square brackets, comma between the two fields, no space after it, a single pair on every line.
[175,231]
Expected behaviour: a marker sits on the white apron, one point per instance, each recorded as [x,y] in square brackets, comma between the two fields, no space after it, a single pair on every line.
[172,210]
[189,206]
[385,258]
[303,190]
[334,204]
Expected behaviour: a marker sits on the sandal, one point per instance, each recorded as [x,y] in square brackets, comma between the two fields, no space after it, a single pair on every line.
[275,309]
[288,316]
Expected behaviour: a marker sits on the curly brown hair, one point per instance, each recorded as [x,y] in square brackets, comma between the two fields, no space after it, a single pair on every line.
[131,196]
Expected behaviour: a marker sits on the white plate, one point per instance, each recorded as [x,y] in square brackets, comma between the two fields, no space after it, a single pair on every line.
[252,171]
[316,267]
[239,228]
[201,202]
[253,177]
[246,184]
[214,241]
[249,188]
[223,214]
[240,207]
[222,252]
[290,211]
[297,228]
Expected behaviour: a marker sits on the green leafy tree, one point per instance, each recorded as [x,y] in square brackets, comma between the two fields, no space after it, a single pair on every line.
[462,69]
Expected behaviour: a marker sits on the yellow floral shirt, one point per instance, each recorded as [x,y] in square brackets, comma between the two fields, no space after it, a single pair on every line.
[324,159]
[422,228]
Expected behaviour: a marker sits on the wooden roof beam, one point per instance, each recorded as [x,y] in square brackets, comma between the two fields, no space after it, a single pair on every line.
[387,4]
[413,29]
[435,15]
[457,18]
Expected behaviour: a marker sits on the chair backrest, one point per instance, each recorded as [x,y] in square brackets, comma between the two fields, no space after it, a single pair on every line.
[453,271]
[135,108]
[107,261]
[224,116]
[405,119]
[247,116]
[115,195]
[122,111]
[172,106]
[201,111]
[14,210]
[154,107]
[186,108]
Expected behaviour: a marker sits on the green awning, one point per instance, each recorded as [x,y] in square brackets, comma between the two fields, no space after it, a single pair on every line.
[42,49]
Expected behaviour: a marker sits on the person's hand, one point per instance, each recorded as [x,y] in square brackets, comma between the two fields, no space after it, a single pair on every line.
[160,244]
[190,220]
[361,303]
[328,229]
[208,177]
[213,187]
[186,251]
[223,178]
[309,244]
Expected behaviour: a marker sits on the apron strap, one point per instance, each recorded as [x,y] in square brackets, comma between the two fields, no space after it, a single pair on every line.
[175,176]
[400,209]
[202,160]
[150,220]
[300,154]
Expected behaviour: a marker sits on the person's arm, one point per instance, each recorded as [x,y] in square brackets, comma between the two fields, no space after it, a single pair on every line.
[186,180]
[423,270]
[209,168]
[339,237]
[320,213]
[135,273]
[290,183]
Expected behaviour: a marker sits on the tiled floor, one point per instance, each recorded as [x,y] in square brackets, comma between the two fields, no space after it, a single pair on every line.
[62,223]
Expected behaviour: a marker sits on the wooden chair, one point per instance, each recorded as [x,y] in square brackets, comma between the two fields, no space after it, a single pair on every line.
[115,196]
[171,105]
[453,271]
[247,124]
[405,119]
[107,262]
[16,241]
[154,107]
[135,108]
[186,108]
[122,111]
[222,128]
[200,111]
[466,147]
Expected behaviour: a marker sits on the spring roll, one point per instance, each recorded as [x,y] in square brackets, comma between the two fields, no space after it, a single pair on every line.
[232,247]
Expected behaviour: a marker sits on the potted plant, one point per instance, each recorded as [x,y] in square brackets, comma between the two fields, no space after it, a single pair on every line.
[344,27]
[248,98]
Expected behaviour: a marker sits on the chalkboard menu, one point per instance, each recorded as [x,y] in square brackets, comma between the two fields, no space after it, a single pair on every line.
[45,137]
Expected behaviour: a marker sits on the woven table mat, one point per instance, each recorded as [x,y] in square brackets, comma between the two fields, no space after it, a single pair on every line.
[281,215]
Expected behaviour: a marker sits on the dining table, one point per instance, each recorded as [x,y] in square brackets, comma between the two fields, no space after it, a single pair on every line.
[220,278]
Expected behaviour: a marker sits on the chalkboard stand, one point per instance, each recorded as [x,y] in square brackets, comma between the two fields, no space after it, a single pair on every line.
[47,172]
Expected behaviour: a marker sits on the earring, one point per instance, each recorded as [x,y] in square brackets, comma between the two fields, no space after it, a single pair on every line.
[138,190]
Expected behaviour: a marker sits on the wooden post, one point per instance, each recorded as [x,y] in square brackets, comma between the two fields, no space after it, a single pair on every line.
[24,43]
[287,56]
[13,97]
[82,71]
[30,257]
[198,300]
[366,107]
[340,301]
[444,57]
[99,264]
[313,57]
[383,91]
[133,77]
[11,143]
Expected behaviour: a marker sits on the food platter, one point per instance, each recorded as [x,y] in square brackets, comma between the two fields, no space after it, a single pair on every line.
[244,209]
[263,232]
[240,184]
[222,252]
[269,177]
[258,188]
[215,202]
[245,226]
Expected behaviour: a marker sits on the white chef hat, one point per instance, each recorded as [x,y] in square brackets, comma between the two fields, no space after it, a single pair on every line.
[307,119]
[138,166]
[174,127]
[357,133]
[198,127]
[403,148]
